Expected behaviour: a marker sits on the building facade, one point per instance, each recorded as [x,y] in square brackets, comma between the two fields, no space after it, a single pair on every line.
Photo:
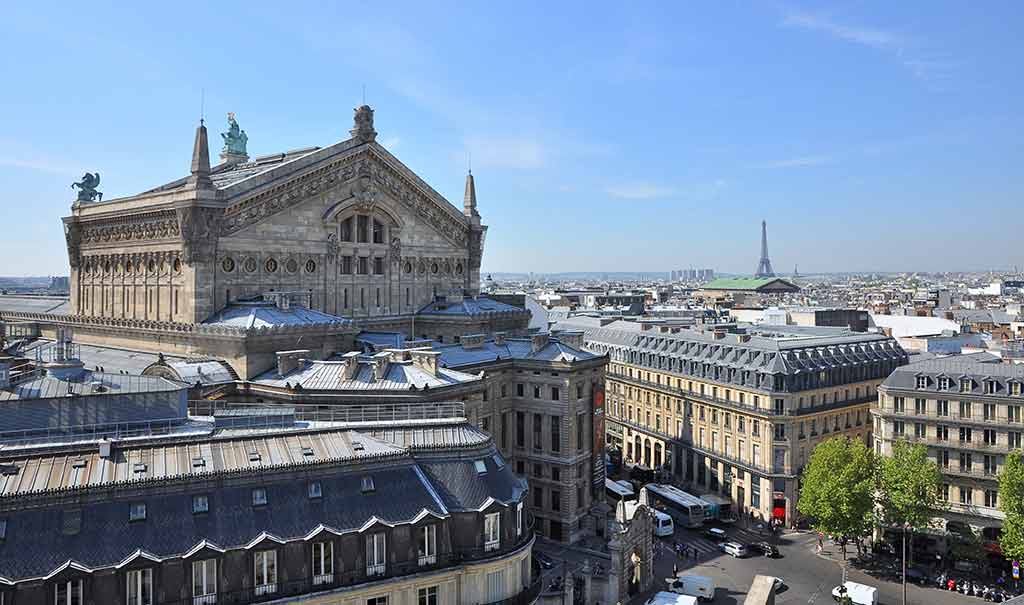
[737,411]
[968,414]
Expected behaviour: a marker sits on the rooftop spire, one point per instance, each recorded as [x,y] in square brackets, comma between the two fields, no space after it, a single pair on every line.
[201,160]
[469,200]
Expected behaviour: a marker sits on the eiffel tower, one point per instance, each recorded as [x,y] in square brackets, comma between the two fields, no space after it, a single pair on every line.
[764,267]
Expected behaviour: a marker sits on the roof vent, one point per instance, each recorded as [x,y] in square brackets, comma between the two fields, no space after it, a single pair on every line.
[254,456]
[358,445]
[367,485]
[139,468]
[307,451]
[106,449]
[198,462]
[79,463]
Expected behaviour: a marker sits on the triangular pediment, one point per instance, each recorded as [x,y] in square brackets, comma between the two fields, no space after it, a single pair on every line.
[337,177]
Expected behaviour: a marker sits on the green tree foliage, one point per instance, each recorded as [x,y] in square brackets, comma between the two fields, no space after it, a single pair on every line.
[1011,502]
[909,486]
[838,488]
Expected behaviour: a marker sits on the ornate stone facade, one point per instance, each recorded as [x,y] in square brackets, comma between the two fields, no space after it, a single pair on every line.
[349,223]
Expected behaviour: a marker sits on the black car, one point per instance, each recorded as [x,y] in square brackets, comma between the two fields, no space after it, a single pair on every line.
[543,560]
[766,549]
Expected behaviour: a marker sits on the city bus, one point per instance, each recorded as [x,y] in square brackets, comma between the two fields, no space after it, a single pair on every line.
[721,507]
[618,490]
[688,510]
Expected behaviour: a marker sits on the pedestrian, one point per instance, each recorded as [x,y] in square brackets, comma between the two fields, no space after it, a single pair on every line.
[675,570]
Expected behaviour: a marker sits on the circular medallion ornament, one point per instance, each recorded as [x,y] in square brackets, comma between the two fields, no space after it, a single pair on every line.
[291,266]
[310,266]
[151,266]
[433,268]
[458,269]
[228,265]
[250,265]
[176,264]
[408,267]
[270,265]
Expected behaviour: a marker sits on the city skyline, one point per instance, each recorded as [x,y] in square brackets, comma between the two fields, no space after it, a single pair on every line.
[600,130]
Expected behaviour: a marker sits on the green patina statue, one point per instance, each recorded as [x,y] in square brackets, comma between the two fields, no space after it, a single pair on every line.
[235,138]
[87,187]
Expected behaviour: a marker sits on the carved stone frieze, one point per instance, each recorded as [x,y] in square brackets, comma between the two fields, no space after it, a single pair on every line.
[155,226]
[199,228]
[366,176]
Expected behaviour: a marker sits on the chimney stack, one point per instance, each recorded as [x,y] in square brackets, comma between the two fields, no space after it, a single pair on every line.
[351,366]
[380,363]
[288,361]
[538,341]
[426,360]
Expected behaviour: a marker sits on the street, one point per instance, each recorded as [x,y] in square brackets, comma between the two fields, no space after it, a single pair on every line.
[809,578]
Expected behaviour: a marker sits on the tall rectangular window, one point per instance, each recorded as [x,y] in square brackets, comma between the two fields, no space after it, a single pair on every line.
[378,265]
[376,557]
[556,433]
[492,531]
[378,233]
[265,571]
[323,563]
[140,586]
[362,228]
[520,429]
[68,592]
[204,582]
[346,230]
[537,445]
[363,265]
[426,544]
[427,596]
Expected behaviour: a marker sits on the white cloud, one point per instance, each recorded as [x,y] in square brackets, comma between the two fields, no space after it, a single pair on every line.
[866,36]
[638,191]
[801,162]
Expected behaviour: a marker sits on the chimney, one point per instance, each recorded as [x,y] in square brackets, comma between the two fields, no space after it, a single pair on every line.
[538,341]
[499,338]
[288,361]
[351,367]
[473,341]
[426,360]
[380,363]
[573,339]
[106,449]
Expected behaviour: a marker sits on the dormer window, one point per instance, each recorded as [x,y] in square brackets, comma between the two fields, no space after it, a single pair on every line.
[966,385]
[1015,388]
[367,485]
[492,531]
[200,504]
[991,386]
[943,383]
[315,490]
[259,496]
[481,468]
[137,511]
[922,382]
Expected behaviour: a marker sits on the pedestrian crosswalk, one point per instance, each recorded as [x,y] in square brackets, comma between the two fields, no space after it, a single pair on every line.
[694,540]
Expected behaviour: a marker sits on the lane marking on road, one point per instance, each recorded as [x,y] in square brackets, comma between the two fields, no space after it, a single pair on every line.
[814,595]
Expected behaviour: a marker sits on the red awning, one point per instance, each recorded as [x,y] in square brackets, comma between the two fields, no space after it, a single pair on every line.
[992,547]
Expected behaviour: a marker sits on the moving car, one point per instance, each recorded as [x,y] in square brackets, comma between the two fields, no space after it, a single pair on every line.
[701,587]
[663,525]
[766,549]
[716,533]
[543,560]
[735,549]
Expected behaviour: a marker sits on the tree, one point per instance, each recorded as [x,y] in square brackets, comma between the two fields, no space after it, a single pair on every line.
[838,488]
[1011,502]
[909,487]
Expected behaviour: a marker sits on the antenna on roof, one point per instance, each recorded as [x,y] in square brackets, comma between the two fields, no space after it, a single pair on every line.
[469,161]
[364,94]
[202,106]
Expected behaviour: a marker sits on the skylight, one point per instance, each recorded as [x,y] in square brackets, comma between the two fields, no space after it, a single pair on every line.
[481,468]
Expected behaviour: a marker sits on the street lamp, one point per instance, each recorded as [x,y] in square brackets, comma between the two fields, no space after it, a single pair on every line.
[905,526]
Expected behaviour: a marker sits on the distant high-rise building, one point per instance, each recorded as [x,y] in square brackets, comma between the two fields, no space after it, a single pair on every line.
[764,267]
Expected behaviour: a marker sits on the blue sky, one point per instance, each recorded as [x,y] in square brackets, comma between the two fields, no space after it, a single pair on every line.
[604,136]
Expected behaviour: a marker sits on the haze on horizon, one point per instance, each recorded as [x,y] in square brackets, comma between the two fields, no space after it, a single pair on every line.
[871,138]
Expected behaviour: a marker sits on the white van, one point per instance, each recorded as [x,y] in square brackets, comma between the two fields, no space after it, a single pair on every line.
[735,549]
[701,587]
[860,594]
[663,525]
[670,598]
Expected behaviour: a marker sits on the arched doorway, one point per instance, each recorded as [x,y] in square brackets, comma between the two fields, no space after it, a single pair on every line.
[647,453]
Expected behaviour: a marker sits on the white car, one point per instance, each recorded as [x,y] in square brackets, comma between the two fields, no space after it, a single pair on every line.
[777,583]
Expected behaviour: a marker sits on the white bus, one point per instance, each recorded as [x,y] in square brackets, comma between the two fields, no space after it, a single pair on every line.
[618,490]
[688,510]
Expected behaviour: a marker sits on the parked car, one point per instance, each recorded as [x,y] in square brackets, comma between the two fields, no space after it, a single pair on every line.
[766,549]
[543,560]
[735,549]
[778,583]
[716,533]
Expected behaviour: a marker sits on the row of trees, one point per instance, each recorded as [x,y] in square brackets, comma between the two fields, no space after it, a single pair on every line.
[848,490]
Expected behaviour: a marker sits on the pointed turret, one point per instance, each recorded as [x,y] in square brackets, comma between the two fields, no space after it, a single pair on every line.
[200,178]
[469,200]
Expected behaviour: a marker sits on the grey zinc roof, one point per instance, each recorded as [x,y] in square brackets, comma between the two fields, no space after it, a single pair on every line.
[457,355]
[208,371]
[34,304]
[87,383]
[381,340]
[109,358]
[955,367]
[318,375]
[266,314]
[468,306]
[107,538]
[462,488]
[225,175]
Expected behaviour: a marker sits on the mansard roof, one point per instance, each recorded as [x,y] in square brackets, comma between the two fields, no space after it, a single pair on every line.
[461,355]
[331,375]
[956,368]
[263,314]
[468,306]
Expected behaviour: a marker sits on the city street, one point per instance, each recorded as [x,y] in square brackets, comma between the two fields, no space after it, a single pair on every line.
[809,578]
